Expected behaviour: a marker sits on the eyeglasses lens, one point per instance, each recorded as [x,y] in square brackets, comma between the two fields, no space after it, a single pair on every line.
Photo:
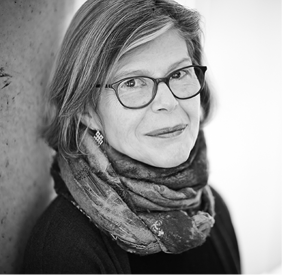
[138,91]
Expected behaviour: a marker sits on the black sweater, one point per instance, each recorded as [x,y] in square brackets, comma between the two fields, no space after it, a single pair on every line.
[65,241]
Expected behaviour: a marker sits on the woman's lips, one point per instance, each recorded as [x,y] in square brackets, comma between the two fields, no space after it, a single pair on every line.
[168,131]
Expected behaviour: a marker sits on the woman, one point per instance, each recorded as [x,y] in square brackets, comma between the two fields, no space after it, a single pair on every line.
[128,104]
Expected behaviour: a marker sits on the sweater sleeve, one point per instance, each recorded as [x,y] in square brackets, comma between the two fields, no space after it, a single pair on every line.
[65,241]
[224,237]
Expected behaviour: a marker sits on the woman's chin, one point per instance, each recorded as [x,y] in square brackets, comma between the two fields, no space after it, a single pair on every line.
[169,153]
[168,161]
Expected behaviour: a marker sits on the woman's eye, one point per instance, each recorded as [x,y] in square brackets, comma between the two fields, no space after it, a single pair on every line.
[130,83]
[178,74]
[133,83]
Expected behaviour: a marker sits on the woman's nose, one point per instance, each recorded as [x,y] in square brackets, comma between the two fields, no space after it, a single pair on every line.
[164,100]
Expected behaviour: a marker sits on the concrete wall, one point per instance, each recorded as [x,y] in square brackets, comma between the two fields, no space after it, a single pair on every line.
[30,32]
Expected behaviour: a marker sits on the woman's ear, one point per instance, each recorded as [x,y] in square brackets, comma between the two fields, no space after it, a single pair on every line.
[91,120]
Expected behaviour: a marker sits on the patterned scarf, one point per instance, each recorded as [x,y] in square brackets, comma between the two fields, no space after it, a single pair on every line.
[144,208]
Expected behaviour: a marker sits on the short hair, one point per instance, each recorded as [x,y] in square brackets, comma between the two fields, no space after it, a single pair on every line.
[101,32]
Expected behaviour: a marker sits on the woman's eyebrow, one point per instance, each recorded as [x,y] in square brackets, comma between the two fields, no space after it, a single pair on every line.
[177,63]
[127,73]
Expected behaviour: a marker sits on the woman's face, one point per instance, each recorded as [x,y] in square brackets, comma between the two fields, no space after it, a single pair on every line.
[144,134]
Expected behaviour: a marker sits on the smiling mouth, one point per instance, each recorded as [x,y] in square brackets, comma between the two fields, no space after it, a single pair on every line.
[168,132]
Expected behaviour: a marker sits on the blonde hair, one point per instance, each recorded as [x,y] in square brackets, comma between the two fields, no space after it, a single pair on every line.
[100,34]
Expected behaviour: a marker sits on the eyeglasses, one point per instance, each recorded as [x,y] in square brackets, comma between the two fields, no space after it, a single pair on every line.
[139,91]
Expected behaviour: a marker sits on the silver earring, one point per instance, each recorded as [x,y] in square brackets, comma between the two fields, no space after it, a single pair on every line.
[98,138]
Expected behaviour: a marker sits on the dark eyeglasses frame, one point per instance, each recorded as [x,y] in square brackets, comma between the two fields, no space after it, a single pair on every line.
[156,81]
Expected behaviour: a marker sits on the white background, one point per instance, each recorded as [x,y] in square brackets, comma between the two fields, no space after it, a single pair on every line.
[243,52]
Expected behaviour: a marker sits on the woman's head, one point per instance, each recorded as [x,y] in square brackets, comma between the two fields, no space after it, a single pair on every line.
[108,41]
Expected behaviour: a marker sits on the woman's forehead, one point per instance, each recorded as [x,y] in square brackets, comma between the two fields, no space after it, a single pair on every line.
[163,54]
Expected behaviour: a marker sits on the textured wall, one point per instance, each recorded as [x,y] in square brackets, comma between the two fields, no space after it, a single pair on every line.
[30,32]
